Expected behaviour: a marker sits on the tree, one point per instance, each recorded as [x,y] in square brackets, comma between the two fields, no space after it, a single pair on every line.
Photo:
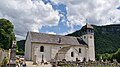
[117,55]
[6,33]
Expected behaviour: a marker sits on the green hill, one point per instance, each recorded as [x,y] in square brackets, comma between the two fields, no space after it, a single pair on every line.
[107,38]
[21,45]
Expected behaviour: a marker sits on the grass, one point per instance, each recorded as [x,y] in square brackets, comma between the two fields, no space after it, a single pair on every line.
[86,66]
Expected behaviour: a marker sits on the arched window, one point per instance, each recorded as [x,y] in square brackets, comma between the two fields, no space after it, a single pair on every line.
[72,54]
[89,31]
[41,48]
[79,50]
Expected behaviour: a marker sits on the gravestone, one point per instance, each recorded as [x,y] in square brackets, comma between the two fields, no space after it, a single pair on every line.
[12,62]
[34,60]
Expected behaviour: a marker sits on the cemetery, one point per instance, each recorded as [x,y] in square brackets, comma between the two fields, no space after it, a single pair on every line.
[85,64]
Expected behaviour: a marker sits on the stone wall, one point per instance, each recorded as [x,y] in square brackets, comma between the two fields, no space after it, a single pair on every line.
[3,54]
[28,49]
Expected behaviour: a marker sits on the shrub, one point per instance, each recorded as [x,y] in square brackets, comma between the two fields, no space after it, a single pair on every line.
[19,53]
[5,61]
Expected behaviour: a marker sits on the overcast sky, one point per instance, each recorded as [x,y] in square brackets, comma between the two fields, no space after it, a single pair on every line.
[58,16]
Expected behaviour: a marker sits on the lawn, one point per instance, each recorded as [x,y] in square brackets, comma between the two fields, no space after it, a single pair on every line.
[86,66]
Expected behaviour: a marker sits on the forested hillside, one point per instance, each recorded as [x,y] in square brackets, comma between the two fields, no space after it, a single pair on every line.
[107,38]
[21,45]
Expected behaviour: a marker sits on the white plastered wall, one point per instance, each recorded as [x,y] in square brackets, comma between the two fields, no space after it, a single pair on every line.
[91,47]
[78,55]
[28,48]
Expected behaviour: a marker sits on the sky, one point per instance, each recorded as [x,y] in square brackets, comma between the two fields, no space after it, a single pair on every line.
[58,17]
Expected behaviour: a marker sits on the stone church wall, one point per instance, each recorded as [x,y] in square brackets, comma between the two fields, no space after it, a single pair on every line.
[28,48]
[75,50]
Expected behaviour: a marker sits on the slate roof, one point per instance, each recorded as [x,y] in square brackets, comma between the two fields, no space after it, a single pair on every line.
[64,50]
[55,39]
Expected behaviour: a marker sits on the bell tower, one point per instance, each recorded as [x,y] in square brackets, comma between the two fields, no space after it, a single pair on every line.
[88,36]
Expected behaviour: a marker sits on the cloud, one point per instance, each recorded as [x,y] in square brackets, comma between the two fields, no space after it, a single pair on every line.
[27,15]
[99,12]
[32,15]
[51,33]
[68,32]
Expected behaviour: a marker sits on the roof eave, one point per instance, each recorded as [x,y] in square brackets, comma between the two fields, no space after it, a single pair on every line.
[58,44]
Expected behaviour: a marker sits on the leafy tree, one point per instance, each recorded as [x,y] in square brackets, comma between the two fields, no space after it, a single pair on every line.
[6,33]
[116,55]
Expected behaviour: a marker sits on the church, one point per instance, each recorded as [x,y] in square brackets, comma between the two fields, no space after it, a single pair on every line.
[46,47]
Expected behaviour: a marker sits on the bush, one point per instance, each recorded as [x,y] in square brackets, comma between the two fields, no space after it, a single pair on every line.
[116,55]
[19,53]
[5,61]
